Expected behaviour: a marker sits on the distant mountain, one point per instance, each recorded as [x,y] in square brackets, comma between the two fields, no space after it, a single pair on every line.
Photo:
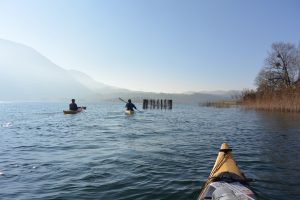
[95,86]
[28,75]
[192,98]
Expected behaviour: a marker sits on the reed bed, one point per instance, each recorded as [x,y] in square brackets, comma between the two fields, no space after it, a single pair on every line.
[285,100]
[222,104]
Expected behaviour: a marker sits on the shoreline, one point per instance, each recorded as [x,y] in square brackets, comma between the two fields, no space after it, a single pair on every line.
[285,100]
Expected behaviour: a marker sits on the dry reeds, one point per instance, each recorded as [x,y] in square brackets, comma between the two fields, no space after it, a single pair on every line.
[222,104]
[286,100]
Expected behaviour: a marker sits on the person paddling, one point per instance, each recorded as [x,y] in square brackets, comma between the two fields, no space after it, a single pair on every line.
[73,105]
[130,106]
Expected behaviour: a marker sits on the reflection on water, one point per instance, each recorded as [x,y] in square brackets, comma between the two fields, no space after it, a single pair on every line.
[278,172]
[156,154]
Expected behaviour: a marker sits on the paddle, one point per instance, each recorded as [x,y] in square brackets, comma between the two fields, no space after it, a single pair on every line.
[122,100]
[127,102]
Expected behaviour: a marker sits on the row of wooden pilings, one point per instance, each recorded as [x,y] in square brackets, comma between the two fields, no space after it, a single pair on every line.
[157,103]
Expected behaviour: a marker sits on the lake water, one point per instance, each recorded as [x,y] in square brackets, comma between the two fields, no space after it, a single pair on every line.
[155,154]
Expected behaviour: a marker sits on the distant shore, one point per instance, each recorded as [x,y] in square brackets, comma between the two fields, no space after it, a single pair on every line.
[222,103]
[284,100]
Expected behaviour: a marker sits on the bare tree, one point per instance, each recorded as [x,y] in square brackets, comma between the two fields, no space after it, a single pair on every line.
[267,80]
[298,61]
[281,66]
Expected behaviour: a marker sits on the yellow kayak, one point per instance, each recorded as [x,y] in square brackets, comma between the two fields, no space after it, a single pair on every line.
[129,112]
[74,111]
[226,180]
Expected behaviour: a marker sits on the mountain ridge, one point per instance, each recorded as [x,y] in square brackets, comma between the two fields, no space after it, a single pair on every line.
[28,75]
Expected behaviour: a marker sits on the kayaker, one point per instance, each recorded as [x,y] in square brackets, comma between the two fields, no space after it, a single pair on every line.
[73,105]
[130,106]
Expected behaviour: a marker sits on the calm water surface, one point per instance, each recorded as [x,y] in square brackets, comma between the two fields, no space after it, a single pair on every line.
[156,154]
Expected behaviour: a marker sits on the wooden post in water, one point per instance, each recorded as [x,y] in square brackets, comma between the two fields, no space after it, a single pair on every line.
[145,103]
[157,103]
[170,104]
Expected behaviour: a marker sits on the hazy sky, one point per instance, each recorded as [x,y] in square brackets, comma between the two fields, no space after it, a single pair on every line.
[155,45]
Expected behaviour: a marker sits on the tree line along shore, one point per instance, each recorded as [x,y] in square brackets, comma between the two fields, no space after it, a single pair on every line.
[278,82]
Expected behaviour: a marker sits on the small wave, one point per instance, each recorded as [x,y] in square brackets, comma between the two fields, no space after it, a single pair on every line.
[7,125]
[49,113]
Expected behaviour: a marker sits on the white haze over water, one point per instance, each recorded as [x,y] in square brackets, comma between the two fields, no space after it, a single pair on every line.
[158,46]
[29,76]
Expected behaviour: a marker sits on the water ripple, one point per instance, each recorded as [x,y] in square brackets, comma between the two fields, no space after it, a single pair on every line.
[155,154]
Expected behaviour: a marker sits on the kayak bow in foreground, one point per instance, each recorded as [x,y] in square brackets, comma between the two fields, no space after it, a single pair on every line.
[226,181]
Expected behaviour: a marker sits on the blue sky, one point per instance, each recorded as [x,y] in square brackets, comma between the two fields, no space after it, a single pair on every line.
[155,45]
